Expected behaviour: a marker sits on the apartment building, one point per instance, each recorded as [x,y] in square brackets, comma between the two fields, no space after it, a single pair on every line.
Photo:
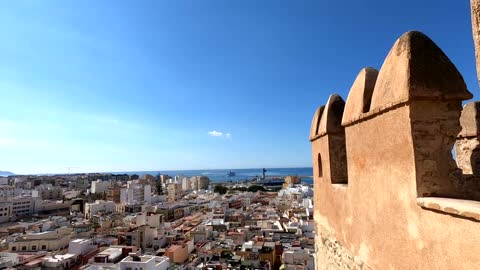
[174,191]
[136,193]
[145,262]
[42,241]
[92,209]
[48,192]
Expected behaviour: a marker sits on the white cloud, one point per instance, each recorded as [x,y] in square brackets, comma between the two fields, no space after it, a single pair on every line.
[216,133]
[101,119]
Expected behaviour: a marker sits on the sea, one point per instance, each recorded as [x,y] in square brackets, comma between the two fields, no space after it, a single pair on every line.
[220,175]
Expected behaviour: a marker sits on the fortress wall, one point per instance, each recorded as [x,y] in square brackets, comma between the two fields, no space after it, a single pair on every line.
[397,153]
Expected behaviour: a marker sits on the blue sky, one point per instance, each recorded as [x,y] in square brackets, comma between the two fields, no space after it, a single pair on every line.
[144,85]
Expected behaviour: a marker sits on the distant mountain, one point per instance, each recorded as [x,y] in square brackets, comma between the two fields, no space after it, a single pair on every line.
[5,173]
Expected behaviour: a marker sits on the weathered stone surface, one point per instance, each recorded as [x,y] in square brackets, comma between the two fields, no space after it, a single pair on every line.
[416,68]
[475,7]
[470,120]
[400,150]
[315,122]
[435,126]
[331,120]
[360,95]
[465,208]
[465,149]
[332,255]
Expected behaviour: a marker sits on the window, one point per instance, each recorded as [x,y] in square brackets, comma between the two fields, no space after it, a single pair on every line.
[24,248]
[320,169]
[34,247]
[14,248]
[44,247]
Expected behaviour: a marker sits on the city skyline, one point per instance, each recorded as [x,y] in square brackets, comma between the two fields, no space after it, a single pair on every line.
[191,85]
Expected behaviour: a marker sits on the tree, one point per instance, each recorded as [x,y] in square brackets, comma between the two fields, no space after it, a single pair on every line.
[255,188]
[159,187]
[220,189]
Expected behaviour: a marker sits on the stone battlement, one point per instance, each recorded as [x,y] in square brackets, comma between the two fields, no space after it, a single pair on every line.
[377,156]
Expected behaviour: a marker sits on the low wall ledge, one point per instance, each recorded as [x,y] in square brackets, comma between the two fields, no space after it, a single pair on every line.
[340,186]
[461,208]
[377,111]
[322,134]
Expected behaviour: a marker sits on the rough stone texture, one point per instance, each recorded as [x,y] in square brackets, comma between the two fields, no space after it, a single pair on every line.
[332,255]
[435,126]
[465,208]
[417,68]
[470,120]
[400,151]
[467,185]
[465,149]
[360,95]
[475,5]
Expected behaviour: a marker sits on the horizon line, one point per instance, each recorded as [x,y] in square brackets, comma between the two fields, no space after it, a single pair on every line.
[157,171]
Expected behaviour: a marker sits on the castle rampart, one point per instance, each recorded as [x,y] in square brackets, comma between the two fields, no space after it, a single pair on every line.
[388,193]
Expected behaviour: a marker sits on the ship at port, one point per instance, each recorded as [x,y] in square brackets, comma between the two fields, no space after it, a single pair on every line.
[268,181]
[231,173]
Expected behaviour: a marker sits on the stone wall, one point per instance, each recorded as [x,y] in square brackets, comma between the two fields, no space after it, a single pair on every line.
[332,255]
[398,150]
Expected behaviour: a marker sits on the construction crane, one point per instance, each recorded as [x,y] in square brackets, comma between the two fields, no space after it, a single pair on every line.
[68,169]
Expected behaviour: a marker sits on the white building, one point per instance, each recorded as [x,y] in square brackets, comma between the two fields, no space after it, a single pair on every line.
[298,192]
[150,219]
[141,237]
[59,261]
[100,186]
[297,258]
[145,262]
[92,209]
[185,183]
[195,183]
[81,246]
[135,192]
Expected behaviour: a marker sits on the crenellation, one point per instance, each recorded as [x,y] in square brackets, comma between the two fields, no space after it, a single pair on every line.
[331,119]
[360,95]
[332,135]
[416,68]
[394,153]
[316,122]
